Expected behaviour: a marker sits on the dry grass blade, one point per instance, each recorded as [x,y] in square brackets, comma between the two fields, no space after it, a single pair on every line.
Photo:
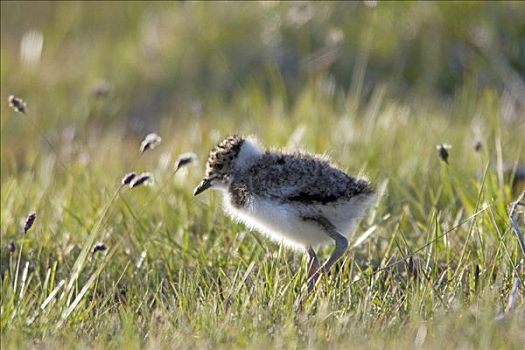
[512,217]
[25,273]
[512,301]
[85,288]
[88,244]
[512,295]
[514,291]
[52,295]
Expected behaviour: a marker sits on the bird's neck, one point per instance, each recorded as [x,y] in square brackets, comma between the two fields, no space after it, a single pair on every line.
[250,152]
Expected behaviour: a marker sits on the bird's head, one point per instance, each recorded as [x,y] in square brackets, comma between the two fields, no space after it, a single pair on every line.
[221,164]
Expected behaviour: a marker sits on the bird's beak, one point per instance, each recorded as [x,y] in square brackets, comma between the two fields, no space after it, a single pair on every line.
[203,186]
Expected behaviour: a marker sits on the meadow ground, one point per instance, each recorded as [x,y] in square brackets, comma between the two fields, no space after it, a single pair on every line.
[432,265]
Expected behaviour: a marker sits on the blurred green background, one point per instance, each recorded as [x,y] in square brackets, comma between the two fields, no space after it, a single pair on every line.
[98,76]
[170,59]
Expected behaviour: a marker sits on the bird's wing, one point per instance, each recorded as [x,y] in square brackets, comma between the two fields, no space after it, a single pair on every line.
[298,178]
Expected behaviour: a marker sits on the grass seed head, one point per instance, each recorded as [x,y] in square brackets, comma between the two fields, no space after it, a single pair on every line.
[101,89]
[184,159]
[443,151]
[11,247]
[477,146]
[126,180]
[98,247]
[139,180]
[29,221]
[17,104]
[150,142]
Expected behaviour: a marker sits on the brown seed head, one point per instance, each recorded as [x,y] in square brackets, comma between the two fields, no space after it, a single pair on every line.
[139,180]
[126,180]
[17,104]
[150,142]
[29,222]
[11,247]
[184,159]
[98,247]
[443,151]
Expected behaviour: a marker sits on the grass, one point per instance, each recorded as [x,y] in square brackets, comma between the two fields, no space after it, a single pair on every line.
[433,262]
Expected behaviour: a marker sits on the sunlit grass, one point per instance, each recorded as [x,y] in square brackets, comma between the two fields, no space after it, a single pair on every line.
[177,270]
[432,263]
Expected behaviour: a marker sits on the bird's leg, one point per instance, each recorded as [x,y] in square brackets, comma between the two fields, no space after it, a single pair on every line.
[340,246]
[313,268]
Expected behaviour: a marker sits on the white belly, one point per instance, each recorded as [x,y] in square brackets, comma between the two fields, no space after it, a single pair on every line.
[283,222]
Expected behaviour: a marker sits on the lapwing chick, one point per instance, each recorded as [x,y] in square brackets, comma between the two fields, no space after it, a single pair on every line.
[299,199]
